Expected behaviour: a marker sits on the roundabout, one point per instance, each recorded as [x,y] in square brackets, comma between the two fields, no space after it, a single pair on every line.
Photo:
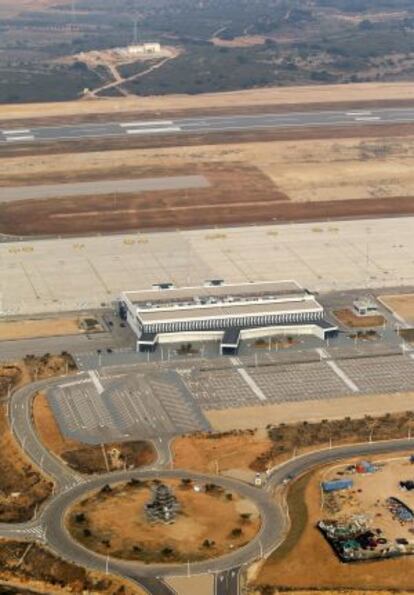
[71,488]
[164,520]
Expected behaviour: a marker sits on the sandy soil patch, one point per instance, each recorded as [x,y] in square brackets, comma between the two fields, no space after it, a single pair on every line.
[278,95]
[99,522]
[261,416]
[401,305]
[212,453]
[323,570]
[202,584]
[368,497]
[350,319]
[87,458]
[28,329]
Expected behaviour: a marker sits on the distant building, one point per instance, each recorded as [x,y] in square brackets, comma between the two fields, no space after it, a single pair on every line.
[145,48]
[219,311]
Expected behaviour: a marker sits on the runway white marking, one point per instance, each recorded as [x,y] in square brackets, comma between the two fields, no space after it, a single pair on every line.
[343,376]
[17,131]
[364,113]
[19,138]
[147,123]
[248,379]
[367,118]
[153,130]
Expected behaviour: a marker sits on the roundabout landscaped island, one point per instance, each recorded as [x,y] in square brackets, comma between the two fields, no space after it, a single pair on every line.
[173,521]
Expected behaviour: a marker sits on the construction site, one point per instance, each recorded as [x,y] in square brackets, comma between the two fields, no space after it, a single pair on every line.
[368,510]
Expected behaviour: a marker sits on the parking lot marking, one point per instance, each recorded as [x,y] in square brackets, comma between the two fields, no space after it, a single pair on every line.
[98,385]
[248,380]
[343,376]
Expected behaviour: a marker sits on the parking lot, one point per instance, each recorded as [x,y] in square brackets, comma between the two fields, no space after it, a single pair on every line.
[106,409]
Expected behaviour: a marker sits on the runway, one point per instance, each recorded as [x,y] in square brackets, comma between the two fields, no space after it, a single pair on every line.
[206,125]
[104,187]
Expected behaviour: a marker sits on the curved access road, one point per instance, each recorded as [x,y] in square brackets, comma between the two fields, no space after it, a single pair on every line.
[49,527]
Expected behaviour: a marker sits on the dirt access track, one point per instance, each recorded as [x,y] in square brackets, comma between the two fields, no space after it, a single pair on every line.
[277,98]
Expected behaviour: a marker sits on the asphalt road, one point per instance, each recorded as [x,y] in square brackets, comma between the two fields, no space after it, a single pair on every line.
[206,124]
[49,528]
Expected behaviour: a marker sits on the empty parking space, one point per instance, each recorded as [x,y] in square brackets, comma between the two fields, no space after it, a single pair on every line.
[134,407]
[381,374]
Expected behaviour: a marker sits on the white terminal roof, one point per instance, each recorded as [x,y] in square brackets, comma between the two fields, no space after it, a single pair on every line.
[249,299]
[177,294]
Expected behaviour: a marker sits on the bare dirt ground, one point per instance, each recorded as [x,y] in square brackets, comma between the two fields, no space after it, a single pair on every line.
[368,496]
[286,180]
[237,451]
[99,522]
[28,565]
[323,570]
[219,452]
[86,458]
[27,329]
[402,305]
[366,92]
[352,320]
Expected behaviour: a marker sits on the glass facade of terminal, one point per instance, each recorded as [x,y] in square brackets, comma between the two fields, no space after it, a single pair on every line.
[211,324]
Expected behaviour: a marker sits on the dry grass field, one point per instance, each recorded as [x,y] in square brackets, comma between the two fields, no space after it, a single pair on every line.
[278,96]
[113,522]
[27,329]
[25,566]
[250,182]
[402,305]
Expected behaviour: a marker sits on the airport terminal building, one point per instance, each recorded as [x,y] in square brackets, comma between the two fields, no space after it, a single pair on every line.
[224,312]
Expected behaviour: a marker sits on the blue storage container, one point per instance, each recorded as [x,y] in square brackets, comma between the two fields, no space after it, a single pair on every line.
[337,484]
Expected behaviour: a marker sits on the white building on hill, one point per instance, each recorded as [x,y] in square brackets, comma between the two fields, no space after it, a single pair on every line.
[145,48]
